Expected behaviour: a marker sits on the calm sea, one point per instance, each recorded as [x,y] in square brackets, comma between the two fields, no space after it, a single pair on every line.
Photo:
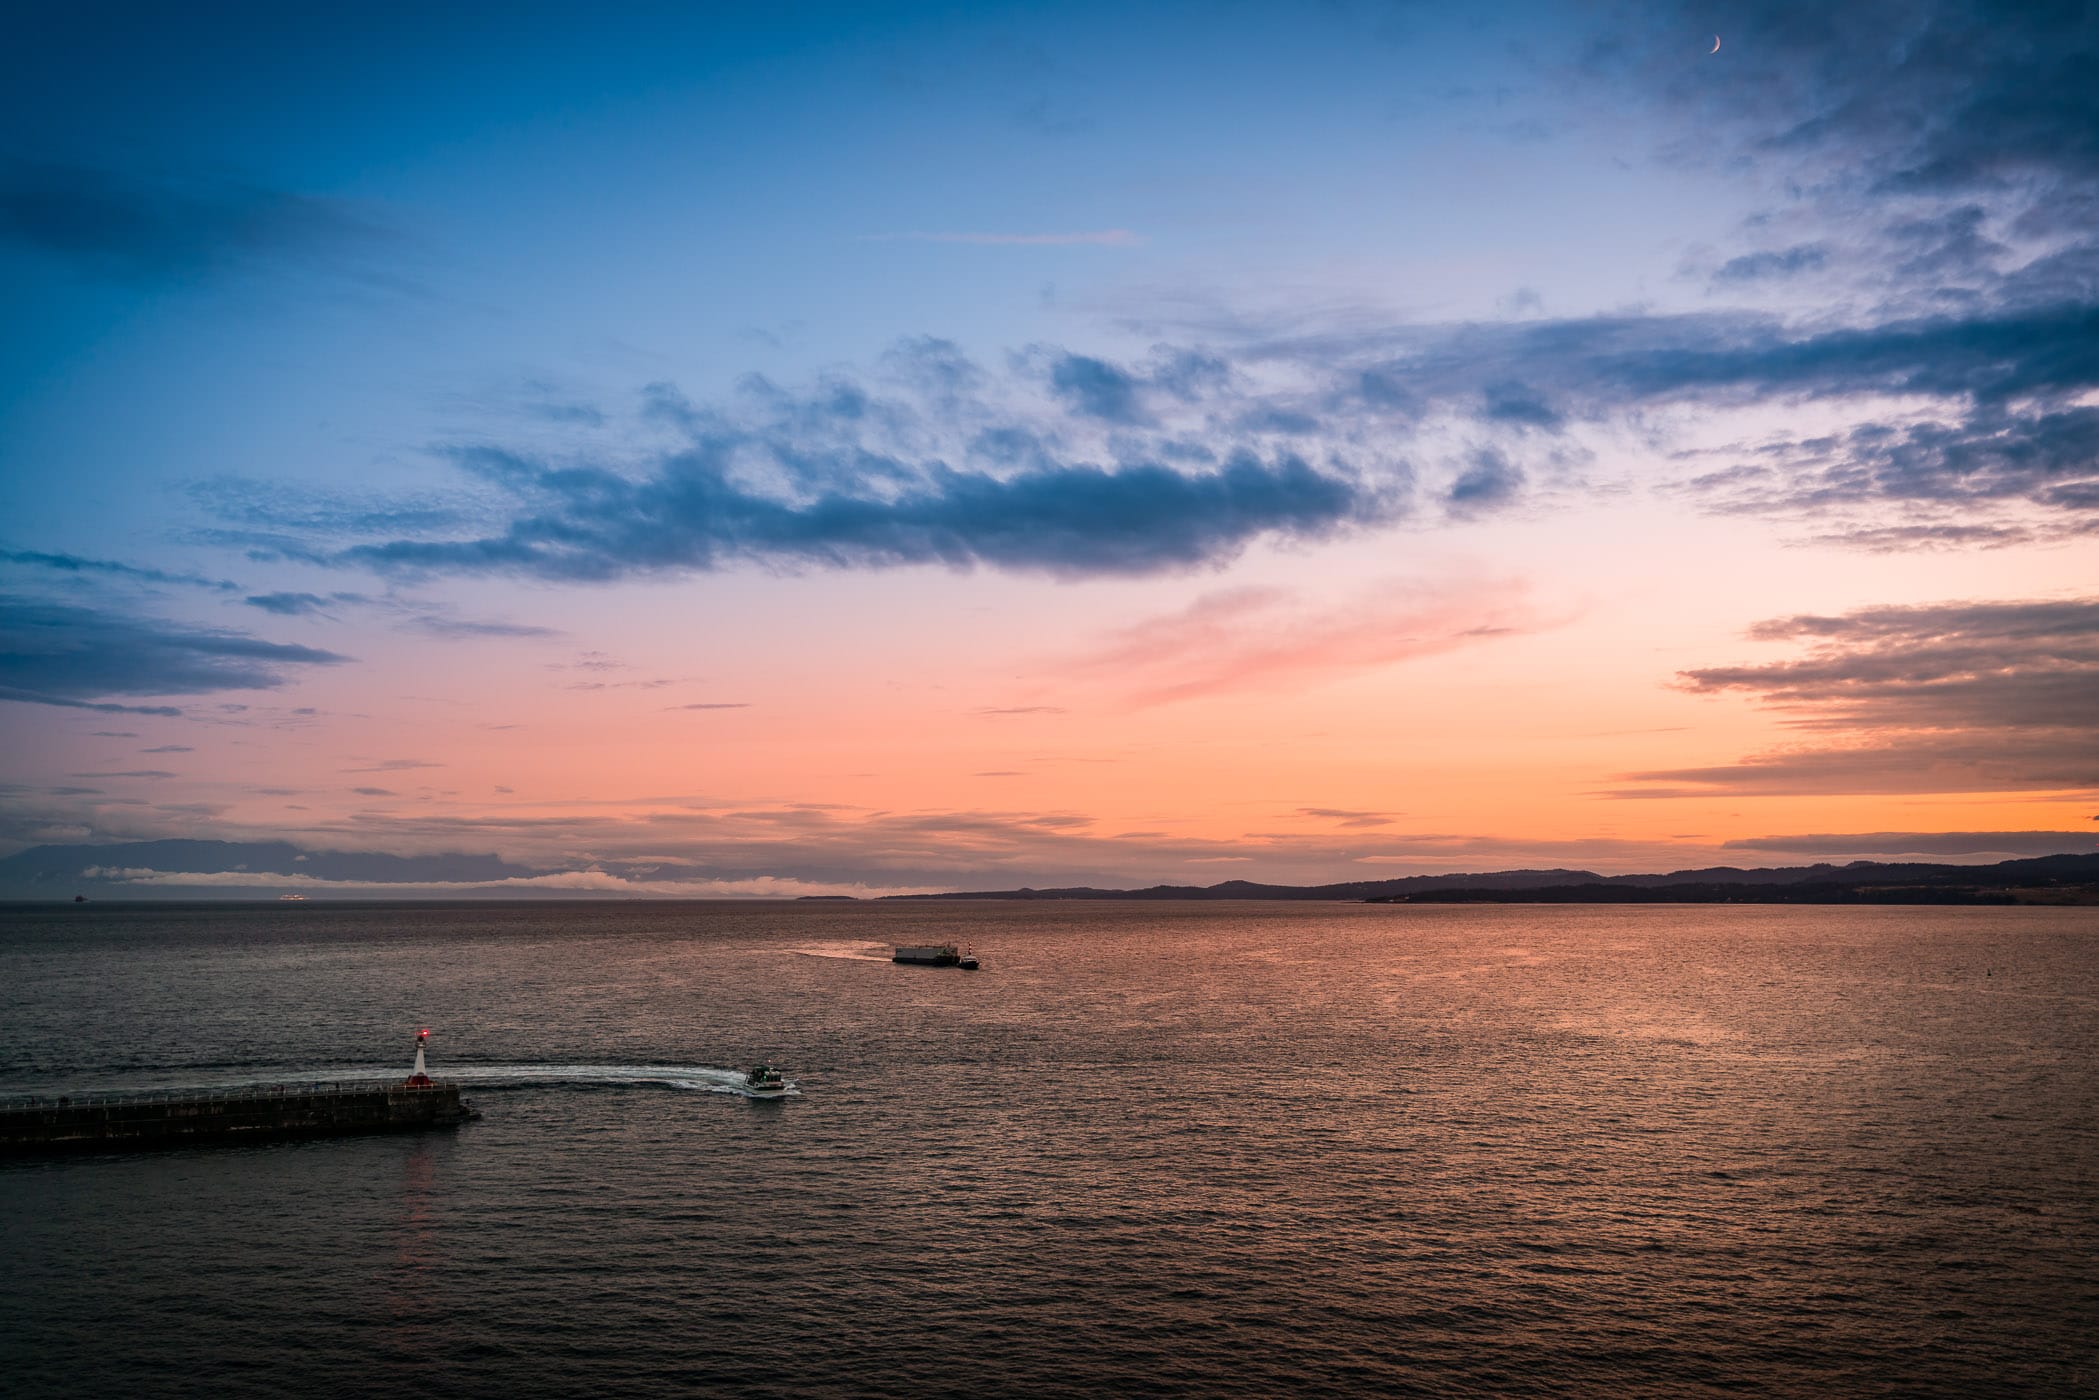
[1150,1149]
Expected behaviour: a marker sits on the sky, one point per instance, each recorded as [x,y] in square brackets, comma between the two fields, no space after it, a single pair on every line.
[694,450]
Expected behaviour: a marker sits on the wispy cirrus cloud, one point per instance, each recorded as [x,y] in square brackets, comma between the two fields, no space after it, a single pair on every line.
[1096,238]
[1251,639]
[432,620]
[1347,817]
[113,569]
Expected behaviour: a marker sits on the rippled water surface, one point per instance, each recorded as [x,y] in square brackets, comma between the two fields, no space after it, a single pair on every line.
[1249,1150]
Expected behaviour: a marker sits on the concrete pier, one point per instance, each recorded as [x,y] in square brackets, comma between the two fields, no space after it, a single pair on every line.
[117,1122]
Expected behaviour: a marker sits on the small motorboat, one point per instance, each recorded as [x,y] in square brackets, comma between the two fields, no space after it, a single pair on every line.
[762,1081]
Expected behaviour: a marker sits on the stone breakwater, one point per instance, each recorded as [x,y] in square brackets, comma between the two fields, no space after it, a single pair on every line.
[117,1122]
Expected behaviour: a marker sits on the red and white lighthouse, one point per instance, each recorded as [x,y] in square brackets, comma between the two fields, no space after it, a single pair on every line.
[420,1078]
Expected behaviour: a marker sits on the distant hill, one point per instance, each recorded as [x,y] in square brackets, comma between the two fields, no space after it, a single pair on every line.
[182,869]
[2065,879]
[1247,889]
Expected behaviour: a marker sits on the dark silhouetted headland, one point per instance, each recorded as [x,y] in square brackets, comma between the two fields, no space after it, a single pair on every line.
[2064,879]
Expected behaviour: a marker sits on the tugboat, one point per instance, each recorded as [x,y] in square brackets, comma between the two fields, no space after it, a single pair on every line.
[762,1081]
[969,960]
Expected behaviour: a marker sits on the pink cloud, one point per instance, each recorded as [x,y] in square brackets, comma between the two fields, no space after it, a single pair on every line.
[1267,639]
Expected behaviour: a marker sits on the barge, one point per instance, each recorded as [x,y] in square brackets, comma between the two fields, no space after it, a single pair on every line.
[936,955]
[119,1122]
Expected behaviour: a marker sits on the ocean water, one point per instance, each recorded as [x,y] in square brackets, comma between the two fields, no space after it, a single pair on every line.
[1150,1149]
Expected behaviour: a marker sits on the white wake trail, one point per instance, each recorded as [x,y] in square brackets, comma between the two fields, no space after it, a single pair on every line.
[699,1079]
[704,1079]
[849,952]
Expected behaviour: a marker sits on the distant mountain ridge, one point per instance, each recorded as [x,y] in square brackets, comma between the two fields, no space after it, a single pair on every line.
[186,869]
[1248,889]
[2074,877]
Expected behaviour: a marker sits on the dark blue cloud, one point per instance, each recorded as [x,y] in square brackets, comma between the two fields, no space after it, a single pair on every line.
[1489,482]
[136,228]
[1008,447]
[934,367]
[1384,389]
[1192,376]
[77,564]
[2052,350]
[690,514]
[2006,385]
[2050,458]
[1282,422]
[31,697]
[288,604]
[1945,156]
[1903,98]
[1098,389]
[1944,246]
[60,654]
[1519,405]
[1785,262]
[584,415]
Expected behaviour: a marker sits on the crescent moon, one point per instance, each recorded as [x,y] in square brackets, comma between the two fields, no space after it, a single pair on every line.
[1716,44]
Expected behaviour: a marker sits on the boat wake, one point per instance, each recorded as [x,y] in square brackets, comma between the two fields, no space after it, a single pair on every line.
[698,1079]
[695,1079]
[851,952]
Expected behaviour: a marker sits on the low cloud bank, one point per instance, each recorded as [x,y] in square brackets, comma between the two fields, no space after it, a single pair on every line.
[1953,697]
[80,656]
